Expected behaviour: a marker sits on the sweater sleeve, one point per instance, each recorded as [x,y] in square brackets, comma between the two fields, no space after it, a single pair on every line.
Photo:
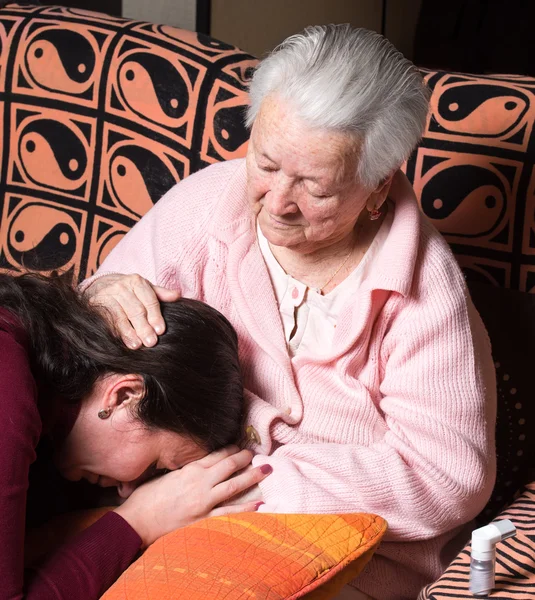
[85,567]
[80,570]
[434,467]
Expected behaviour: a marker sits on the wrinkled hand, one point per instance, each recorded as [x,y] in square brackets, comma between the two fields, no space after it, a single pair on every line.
[133,304]
[194,492]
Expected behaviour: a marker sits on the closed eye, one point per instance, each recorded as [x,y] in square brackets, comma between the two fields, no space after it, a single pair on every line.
[153,471]
[320,196]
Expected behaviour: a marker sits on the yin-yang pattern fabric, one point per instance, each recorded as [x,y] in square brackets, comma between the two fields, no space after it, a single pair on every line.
[474,174]
[99,117]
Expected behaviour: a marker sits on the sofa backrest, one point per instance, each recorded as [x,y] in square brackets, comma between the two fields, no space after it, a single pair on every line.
[101,115]
[474,173]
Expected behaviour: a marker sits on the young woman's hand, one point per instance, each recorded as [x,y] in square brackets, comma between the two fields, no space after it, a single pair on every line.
[252,494]
[134,306]
[182,497]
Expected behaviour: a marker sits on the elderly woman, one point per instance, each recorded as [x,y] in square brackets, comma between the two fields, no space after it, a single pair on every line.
[368,372]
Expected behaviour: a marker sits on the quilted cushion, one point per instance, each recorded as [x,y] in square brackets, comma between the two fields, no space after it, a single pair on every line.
[474,173]
[250,555]
[515,560]
[254,555]
[99,117]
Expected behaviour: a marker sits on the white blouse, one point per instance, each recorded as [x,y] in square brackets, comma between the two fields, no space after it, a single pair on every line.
[312,315]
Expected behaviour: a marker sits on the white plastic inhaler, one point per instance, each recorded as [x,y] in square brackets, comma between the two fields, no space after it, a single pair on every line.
[483,557]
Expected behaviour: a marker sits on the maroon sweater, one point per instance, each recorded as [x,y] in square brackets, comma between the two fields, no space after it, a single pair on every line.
[86,566]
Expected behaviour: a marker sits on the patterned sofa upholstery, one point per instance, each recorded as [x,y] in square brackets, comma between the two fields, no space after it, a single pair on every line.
[100,115]
[474,174]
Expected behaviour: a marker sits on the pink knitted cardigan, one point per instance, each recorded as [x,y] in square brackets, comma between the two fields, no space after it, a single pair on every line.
[397,418]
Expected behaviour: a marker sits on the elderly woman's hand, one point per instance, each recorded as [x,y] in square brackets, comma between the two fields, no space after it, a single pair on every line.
[191,493]
[134,306]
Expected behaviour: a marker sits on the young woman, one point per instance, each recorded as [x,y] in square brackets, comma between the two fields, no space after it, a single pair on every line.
[115,417]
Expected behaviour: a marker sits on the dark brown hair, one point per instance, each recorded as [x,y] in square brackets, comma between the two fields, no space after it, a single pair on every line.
[192,377]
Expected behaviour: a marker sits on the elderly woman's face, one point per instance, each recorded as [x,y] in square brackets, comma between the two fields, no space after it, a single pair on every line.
[301,181]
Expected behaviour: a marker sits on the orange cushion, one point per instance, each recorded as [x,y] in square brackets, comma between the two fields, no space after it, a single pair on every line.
[254,555]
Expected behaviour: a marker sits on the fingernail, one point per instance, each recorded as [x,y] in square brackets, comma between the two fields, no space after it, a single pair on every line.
[158,329]
[266,469]
[258,505]
[150,340]
[132,344]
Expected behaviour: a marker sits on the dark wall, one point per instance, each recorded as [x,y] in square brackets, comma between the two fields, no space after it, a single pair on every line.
[477,36]
[110,7]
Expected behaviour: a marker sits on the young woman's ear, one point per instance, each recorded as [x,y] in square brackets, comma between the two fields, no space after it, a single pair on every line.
[120,392]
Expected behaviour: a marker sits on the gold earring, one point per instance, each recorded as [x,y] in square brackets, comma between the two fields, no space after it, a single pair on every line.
[374,214]
[103,413]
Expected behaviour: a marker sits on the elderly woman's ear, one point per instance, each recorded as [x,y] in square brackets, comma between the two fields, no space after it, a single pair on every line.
[379,194]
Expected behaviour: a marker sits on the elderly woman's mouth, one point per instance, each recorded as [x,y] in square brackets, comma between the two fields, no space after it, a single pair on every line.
[281,224]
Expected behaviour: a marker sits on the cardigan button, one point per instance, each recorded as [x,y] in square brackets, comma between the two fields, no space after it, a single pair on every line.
[252,434]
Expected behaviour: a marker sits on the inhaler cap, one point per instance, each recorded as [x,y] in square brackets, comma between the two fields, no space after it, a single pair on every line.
[485,538]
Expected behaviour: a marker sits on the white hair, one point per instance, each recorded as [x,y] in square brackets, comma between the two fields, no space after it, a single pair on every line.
[353,81]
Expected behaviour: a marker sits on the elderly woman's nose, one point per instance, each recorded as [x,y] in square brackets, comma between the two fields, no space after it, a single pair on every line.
[280,200]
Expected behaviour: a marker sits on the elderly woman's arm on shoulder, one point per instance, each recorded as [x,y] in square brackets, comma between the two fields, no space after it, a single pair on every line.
[432,466]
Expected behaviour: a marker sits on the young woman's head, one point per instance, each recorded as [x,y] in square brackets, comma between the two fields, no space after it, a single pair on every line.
[139,410]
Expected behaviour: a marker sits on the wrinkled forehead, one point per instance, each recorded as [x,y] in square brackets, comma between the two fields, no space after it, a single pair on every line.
[281,135]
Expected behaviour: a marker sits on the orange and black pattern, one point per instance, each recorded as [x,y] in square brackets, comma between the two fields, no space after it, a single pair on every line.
[99,117]
[474,173]
[515,560]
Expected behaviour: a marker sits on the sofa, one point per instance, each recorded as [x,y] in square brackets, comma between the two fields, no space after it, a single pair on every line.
[100,115]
